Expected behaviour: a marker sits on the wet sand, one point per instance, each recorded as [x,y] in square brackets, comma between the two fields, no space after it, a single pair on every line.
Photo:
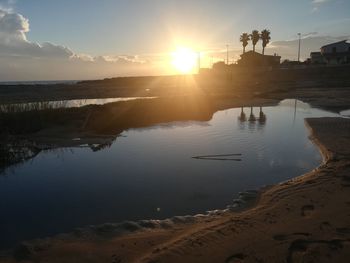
[306,219]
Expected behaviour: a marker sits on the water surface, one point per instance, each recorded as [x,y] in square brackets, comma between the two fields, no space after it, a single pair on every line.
[20,107]
[149,173]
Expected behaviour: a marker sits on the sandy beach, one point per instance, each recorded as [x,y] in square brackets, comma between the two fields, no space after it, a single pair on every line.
[305,219]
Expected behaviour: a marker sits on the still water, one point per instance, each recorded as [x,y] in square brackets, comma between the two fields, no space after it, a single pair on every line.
[19,107]
[149,173]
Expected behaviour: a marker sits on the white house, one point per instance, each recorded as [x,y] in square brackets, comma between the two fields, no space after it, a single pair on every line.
[317,58]
[336,53]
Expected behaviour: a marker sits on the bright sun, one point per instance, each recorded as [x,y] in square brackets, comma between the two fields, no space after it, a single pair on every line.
[184,60]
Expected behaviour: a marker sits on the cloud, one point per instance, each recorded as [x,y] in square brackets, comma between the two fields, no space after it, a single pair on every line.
[21,59]
[7,4]
[12,27]
[13,40]
[309,34]
[316,5]
[319,1]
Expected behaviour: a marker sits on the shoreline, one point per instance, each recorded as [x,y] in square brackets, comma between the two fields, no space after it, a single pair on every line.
[215,238]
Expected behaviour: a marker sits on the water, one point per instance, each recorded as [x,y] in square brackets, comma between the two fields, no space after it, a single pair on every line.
[345,113]
[20,107]
[42,82]
[149,173]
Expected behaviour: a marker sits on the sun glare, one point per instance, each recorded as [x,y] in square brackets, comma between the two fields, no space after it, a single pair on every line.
[184,60]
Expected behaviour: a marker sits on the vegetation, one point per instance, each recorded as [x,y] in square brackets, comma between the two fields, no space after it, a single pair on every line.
[265,38]
[14,151]
[255,37]
[16,119]
[244,39]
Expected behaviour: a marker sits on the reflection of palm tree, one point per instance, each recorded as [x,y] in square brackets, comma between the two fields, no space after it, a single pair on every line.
[254,36]
[242,117]
[252,117]
[265,37]
[262,117]
[244,39]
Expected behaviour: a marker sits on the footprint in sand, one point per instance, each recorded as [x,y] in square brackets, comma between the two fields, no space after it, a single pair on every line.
[116,259]
[325,225]
[283,237]
[343,230]
[320,251]
[280,237]
[236,258]
[307,210]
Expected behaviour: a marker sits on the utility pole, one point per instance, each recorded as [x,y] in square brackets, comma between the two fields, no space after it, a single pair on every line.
[227,54]
[199,62]
[299,47]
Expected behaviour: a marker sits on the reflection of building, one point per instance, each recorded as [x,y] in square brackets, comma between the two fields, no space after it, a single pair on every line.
[334,53]
[252,58]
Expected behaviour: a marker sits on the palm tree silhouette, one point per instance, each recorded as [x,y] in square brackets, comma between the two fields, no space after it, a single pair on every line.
[265,37]
[254,36]
[244,39]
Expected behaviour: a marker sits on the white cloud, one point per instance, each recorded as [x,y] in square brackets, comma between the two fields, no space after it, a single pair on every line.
[12,27]
[309,34]
[319,1]
[7,5]
[21,59]
[316,4]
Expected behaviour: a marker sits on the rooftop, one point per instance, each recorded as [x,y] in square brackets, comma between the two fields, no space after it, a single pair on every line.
[343,41]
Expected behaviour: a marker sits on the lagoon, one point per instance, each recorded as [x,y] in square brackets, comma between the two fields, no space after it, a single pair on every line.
[150,173]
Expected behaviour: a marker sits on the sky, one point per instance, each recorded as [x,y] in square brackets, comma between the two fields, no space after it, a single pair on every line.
[91,39]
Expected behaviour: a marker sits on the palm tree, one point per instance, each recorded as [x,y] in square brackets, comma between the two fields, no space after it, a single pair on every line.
[244,39]
[254,36]
[265,37]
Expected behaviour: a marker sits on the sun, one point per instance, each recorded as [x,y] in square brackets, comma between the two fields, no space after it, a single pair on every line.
[184,60]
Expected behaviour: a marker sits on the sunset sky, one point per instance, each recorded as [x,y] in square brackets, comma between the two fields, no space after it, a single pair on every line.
[89,39]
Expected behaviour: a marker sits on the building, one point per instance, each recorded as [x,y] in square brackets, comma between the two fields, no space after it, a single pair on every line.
[317,58]
[336,53]
[252,58]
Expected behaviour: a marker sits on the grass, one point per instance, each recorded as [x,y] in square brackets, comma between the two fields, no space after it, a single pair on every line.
[25,118]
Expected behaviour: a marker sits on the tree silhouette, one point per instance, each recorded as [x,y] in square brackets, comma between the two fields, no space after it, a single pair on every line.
[265,37]
[254,36]
[244,39]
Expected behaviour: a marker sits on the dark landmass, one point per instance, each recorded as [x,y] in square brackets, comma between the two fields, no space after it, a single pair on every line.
[210,82]
[296,218]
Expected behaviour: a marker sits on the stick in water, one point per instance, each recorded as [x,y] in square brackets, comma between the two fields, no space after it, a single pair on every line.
[217,155]
[218,159]
[214,157]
